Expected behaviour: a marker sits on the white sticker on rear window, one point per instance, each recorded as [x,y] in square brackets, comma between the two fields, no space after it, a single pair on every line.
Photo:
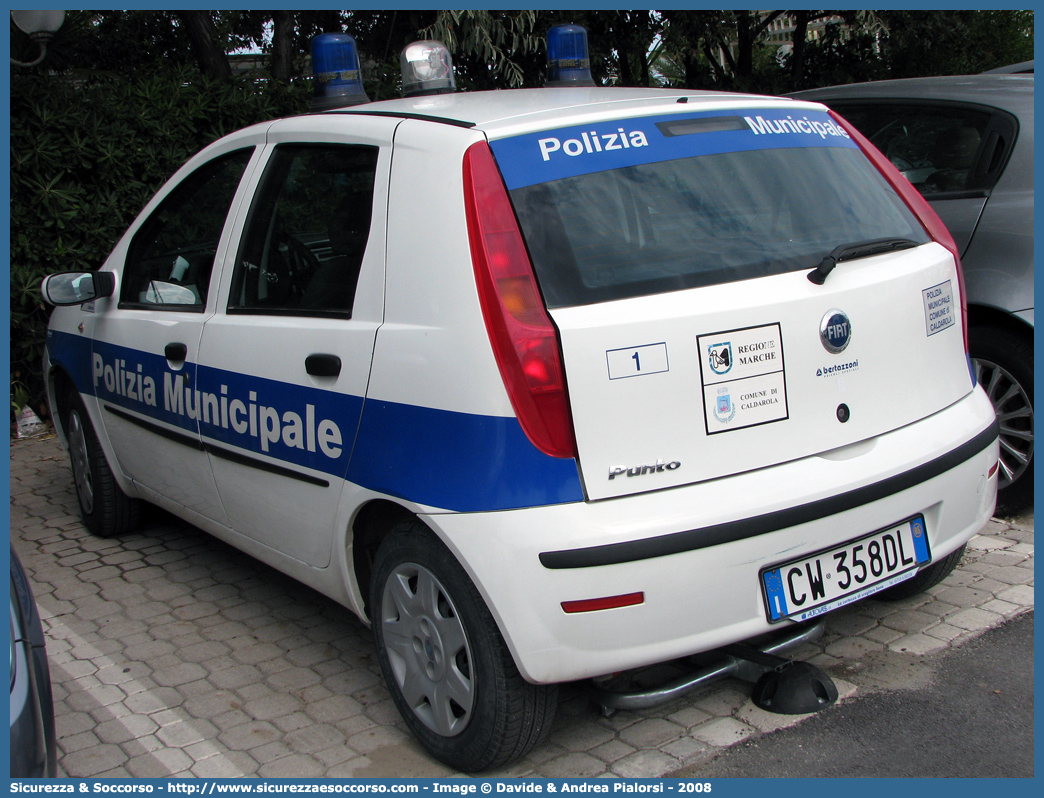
[939,312]
[744,381]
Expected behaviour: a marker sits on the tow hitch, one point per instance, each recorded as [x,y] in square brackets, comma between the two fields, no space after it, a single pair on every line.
[783,686]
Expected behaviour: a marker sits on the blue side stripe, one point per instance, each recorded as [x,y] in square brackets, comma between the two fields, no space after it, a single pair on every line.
[305,426]
[313,428]
[456,461]
[73,354]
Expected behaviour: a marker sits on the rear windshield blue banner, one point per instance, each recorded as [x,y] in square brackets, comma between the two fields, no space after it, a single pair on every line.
[583,149]
[456,461]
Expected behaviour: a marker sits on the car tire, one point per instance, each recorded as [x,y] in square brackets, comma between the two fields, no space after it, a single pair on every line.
[926,578]
[444,660]
[106,510]
[1004,367]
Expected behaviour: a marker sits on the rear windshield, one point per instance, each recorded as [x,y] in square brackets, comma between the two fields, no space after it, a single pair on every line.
[687,202]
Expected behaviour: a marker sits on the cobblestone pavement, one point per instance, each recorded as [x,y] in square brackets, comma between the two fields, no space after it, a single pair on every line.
[173,654]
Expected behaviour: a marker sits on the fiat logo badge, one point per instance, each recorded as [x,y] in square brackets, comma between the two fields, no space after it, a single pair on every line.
[835,331]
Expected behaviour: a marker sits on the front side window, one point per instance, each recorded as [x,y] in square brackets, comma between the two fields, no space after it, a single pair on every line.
[307,232]
[171,257]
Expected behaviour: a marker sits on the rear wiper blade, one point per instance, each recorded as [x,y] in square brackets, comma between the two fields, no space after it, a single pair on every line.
[857,249]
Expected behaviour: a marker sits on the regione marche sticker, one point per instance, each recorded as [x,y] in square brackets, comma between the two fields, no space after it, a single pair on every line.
[744,383]
[939,312]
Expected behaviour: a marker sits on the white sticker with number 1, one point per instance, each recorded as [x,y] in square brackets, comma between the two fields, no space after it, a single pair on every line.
[636,361]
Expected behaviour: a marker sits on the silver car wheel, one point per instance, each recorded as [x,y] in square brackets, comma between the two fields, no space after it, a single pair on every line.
[81,463]
[1015,415]
[428,649]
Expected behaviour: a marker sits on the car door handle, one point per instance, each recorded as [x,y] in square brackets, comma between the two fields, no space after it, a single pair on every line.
[175,353]
[323,365]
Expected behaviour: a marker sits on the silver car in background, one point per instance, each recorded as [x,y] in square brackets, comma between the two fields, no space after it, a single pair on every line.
[966,143]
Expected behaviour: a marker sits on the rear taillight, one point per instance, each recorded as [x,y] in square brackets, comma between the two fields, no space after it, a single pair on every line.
[525,342]
[924,212]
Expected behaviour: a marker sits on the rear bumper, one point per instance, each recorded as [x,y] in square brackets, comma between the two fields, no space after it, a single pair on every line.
[695,552]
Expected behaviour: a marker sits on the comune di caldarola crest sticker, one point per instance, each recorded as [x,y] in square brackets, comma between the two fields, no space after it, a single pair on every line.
[744,382]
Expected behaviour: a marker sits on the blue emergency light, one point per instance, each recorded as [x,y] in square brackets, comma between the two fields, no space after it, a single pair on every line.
[336,72]
[568,63]
[426,69]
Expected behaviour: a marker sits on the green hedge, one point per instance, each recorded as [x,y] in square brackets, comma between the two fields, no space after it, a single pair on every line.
[86,157]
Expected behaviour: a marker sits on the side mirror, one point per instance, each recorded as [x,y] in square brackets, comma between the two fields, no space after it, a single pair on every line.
[75,288]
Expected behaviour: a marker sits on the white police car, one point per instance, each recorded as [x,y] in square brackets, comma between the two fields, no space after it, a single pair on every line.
[546,384]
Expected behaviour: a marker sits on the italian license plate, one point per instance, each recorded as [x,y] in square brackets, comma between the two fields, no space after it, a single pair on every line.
[808,587]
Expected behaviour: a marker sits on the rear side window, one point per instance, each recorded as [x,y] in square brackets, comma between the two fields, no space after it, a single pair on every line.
[171,257]
[693,202]
[307,232]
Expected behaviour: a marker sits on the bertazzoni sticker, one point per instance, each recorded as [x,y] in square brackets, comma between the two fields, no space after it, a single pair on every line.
[939,312]
[744,382]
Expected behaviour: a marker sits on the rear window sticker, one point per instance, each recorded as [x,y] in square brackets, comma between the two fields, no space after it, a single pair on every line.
[637,361]
[743,378]
[939,312]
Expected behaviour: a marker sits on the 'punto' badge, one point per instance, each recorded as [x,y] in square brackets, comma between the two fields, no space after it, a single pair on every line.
[835,331]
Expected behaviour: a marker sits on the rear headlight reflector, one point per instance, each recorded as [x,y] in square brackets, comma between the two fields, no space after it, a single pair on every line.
[606,603]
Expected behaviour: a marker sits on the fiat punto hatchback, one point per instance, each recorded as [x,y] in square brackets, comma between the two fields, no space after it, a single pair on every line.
[543,384]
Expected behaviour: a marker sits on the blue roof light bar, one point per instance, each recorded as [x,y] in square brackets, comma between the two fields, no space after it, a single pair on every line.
[568,63]
[336,72]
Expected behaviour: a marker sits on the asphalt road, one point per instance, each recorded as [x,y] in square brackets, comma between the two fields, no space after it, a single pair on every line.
[966,712]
